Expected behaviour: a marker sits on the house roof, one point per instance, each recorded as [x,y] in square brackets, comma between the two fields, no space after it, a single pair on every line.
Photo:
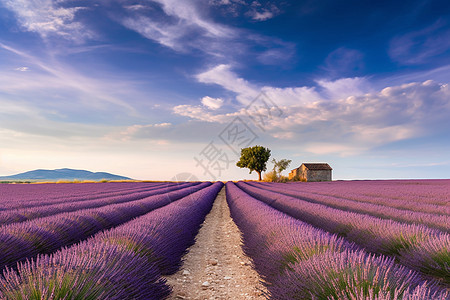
[317,166]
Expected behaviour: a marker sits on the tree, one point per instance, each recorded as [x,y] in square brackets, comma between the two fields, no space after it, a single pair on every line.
[254,158]
[280,166]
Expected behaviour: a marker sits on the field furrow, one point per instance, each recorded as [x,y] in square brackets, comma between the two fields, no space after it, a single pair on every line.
[46,235]
[22,215]
[381,236]
[42,199]
[299,261]
[122,263]
[441,222]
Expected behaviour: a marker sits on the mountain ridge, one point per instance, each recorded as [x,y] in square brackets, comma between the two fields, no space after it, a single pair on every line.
[63,174]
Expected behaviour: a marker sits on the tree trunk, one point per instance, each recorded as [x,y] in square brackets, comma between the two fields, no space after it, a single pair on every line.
[259,175]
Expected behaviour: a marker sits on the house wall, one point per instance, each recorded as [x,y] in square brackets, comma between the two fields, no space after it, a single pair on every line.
[304,174]
[293,173]
[318,175]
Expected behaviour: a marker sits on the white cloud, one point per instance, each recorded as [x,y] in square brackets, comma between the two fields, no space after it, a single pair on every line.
[292,96]
[223,76]
[344,87]
[347,113]
[22,69]
[47,17]
[263,15]
[204,114]
[212,103]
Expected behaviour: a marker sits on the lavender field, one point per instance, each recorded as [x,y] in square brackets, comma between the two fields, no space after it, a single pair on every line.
[97,241]
[328,240]
[347,240]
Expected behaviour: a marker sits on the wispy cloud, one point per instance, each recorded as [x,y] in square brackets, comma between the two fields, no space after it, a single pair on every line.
[255,10]
[49,17]
[187,26]
[344,62]
[134,131]
[54,78]
[167,35]
[182,27]
[417,47]
[189,12]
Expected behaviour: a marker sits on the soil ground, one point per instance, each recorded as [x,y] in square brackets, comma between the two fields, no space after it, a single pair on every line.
[216,267]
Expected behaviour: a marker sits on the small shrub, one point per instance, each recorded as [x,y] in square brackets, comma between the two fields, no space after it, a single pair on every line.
[296,178]
[283,179]
[63,181]
[270,176]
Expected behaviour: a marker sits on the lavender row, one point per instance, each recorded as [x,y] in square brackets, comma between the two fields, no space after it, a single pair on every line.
[90,193]
[441,222]
[28,192]
[22,215]
[423,192]
[165,234]
[298,261]
[342,190]
[87,271]
[406,242]
[123,263]
[346,192]
[45,235]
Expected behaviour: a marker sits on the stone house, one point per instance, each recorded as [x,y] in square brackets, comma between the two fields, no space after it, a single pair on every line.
[312,172]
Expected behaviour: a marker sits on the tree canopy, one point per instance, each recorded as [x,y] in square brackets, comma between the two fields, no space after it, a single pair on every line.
[281,165]
[254,158]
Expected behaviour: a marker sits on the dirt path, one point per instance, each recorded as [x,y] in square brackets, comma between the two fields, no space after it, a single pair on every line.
[216,267]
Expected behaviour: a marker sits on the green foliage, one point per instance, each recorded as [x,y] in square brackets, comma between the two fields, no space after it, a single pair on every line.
[270,176]
[281,165]
[254,158]
[283,179]
[278,167]
[57,285]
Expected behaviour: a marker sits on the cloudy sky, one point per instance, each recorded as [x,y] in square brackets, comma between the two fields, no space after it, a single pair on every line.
[153,88]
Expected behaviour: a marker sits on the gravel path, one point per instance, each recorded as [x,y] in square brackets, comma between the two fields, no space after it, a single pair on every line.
[216,267]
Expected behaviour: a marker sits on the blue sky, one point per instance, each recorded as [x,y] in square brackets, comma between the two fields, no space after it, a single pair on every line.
[153,88]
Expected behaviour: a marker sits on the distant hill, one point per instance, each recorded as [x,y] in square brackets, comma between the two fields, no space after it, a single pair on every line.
[63,174]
